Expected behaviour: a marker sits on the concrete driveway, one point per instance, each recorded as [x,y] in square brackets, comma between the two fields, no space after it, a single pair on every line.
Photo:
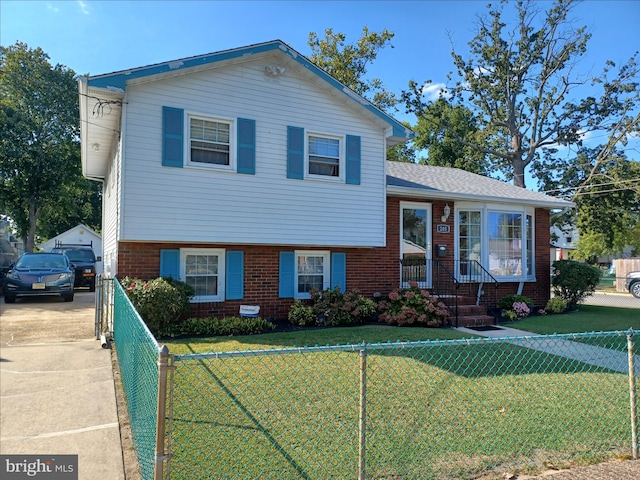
[57,394]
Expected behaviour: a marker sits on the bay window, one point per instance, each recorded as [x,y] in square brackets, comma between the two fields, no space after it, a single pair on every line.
[499,238]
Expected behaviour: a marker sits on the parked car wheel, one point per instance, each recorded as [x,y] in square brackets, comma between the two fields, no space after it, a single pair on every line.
[92,285]
[68,298]
[9,299]
[634,288]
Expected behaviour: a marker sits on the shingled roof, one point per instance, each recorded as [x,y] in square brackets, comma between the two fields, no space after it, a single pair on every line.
[425,181]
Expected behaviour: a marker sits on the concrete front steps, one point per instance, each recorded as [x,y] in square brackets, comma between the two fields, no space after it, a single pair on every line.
[469,314]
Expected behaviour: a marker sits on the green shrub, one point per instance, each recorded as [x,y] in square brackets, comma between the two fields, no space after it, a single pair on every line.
[413,306]
[226,326]
[161,302]
[301,314]
[556,305]
[335,308]
[574,281]
[506,302]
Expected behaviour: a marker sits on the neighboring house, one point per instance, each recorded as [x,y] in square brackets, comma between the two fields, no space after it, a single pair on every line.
[255,176]
[563,241]
[80,235]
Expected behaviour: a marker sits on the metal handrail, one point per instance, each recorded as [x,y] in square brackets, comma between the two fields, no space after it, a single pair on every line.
[453,279]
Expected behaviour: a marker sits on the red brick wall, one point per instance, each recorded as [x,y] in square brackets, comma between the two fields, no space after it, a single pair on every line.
[369,270]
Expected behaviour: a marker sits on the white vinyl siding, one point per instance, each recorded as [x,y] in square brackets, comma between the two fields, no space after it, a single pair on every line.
[209,205]
[111,198]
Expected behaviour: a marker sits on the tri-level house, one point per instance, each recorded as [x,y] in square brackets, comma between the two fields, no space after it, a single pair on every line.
[255,176]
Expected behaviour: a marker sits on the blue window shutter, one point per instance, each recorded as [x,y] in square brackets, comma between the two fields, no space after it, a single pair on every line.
[170,263]
[287,274]
[246,146]
[295,152]
[234,275]
[353,160]
[339,270]
[172,136]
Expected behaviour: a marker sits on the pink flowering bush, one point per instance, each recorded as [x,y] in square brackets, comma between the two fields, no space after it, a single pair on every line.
[161,302]
[521,309]
[413,307]
[332,307]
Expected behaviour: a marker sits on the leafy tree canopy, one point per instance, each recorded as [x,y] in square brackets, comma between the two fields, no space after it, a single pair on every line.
[39,143]
[348,62]
[607,196]
[521,82]
[442,144]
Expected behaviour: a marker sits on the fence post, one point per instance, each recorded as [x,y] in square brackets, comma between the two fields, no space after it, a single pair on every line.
[363,413]
[98,306]
[632,396]
[163,368]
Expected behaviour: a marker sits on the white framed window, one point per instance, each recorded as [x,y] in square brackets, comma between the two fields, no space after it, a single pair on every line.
[211,142]
[499,238]
[325,156]
[203,269]
[312,270]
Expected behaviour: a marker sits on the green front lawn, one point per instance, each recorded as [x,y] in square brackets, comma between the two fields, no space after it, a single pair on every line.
[588,318]
[444,410]
[313,337]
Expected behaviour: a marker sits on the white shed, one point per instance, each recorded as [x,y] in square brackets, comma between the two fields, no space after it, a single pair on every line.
[80,234]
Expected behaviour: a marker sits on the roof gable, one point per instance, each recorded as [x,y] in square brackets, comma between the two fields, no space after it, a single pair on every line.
[117,81]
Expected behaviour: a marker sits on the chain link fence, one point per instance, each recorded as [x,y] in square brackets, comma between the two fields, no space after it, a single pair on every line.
[464,409]
[137,351]
[455,409]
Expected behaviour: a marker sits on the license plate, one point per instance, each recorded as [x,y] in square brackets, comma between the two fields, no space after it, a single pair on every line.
[38,286]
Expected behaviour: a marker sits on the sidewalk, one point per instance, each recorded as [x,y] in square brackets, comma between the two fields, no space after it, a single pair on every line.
[57,394]
[602,357]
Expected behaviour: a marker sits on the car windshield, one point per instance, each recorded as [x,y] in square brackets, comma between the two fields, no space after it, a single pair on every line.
[41,261]
[80,255]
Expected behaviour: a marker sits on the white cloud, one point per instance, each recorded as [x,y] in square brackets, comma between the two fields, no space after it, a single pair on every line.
[53,8]
[84,7]
[433,91]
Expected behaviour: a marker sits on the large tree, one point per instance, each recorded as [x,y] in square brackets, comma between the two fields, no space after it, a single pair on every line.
[443,145]
[521,81]
[39,141]
[348,62]
[607,197]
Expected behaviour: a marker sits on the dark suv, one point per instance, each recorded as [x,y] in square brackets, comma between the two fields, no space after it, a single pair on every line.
[83,260]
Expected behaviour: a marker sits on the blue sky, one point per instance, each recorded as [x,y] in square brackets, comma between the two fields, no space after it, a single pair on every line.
[94,37]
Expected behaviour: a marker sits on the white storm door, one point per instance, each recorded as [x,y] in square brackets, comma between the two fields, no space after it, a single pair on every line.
[415,244]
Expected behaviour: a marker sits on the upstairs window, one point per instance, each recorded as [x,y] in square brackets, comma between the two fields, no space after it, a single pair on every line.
[324,156]
[210,141]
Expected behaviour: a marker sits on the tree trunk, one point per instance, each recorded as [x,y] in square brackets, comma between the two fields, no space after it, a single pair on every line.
[30,244]
[518,173]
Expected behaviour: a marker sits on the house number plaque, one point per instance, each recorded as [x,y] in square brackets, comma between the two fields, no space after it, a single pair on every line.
[443,229]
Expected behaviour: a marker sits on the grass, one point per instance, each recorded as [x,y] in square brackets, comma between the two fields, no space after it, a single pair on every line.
[588,318]
[446,410]
[313,337]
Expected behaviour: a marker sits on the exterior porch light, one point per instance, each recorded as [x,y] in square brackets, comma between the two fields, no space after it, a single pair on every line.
[446,210]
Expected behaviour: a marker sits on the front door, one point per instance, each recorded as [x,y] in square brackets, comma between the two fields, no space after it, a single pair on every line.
[415,244]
